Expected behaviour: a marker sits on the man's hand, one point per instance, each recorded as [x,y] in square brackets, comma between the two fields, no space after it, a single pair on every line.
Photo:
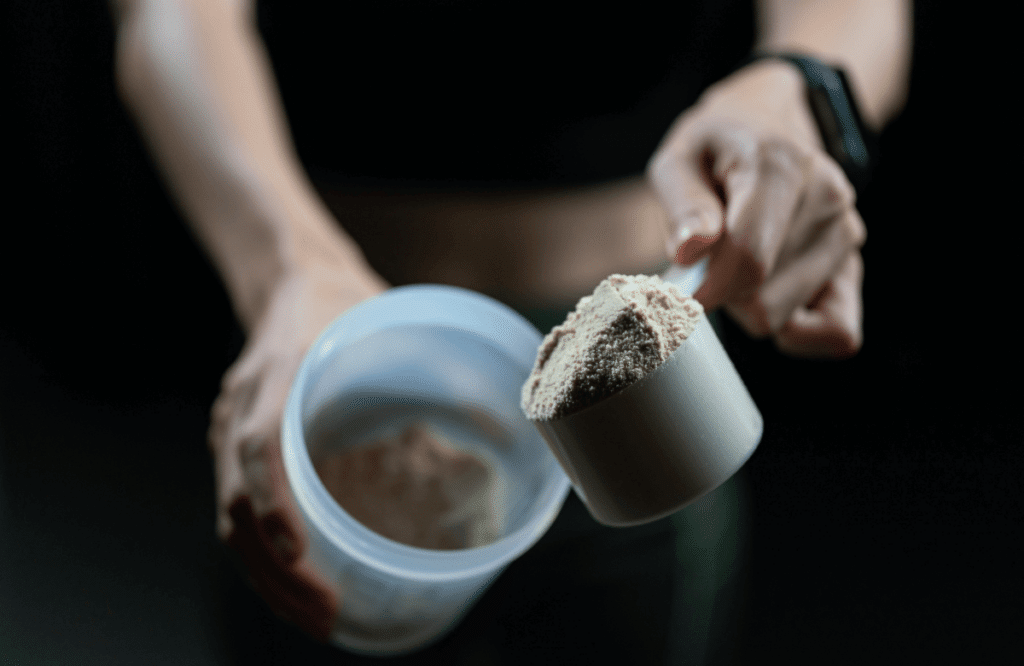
[745,179]
[256,515]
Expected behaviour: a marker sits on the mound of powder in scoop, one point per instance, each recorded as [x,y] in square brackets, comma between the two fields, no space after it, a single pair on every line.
[628,327]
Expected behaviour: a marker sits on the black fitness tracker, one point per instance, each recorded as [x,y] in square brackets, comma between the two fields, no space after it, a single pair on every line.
[846,138]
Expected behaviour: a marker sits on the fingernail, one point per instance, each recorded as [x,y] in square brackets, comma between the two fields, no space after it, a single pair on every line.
[690,226]
[683,234]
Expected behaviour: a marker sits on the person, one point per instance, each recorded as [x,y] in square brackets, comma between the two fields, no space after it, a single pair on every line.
[741,177]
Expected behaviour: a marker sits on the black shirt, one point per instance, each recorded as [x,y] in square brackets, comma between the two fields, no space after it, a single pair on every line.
[495,93]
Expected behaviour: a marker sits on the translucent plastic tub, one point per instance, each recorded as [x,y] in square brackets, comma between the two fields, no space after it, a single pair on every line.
[458,360]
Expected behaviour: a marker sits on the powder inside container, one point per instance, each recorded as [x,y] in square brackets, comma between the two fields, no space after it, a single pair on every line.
[628,327]
[415,488]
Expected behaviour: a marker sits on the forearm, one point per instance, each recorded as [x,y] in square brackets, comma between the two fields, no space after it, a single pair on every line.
[196,78]
[870,39]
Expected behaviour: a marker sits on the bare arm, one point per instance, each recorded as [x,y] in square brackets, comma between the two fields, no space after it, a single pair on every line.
[870,39]
[747,184]
[197,80]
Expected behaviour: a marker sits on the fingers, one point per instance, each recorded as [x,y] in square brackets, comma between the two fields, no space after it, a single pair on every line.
[826,196]
[291,588]
[831,325]
[266,488]
[825,231]
[763,193]
[789,226]
[734,196]
[245,436]
[763,188]
[798,282]
[257,517]
[732,269]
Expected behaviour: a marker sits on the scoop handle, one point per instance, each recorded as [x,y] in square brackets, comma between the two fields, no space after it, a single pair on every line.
[687,278]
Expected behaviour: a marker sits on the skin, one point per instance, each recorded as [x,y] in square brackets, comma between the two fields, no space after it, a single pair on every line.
[745,179]
[740,177]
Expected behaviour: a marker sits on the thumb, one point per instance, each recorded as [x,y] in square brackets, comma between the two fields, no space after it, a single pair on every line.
[685,185]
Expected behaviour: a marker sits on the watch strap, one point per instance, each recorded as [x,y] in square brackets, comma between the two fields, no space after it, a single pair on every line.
[835,111]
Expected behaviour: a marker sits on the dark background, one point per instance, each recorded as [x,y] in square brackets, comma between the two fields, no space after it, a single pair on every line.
[886,492]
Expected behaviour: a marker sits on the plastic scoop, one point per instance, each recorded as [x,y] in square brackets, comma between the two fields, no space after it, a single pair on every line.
[666,440]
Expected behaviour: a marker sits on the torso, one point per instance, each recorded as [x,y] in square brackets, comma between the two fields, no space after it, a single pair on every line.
[535,248]
[502,117]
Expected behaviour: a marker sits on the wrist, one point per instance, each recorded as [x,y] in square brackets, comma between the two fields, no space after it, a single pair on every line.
[770,94]
[833,105]
[265,246]
[781,77]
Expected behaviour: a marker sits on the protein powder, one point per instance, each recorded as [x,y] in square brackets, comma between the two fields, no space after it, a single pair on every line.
[415,488]
[628,327]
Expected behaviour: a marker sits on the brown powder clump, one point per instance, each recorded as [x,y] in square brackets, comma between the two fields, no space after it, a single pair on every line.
[416,490]
[628,327]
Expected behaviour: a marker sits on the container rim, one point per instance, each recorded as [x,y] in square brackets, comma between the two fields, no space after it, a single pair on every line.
[427,305]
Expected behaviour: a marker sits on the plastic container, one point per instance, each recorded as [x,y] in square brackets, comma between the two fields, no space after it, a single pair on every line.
[458,360]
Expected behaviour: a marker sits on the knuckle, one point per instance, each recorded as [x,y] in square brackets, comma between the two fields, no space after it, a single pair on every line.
[781,158]
[214,438]
[854,231]
[220,411]
[257,489]
[253,448]
[232,377]
[856,267]
[751,317]
[840,192]
[243,399]
[658,164]
[836,187]
[220,419]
